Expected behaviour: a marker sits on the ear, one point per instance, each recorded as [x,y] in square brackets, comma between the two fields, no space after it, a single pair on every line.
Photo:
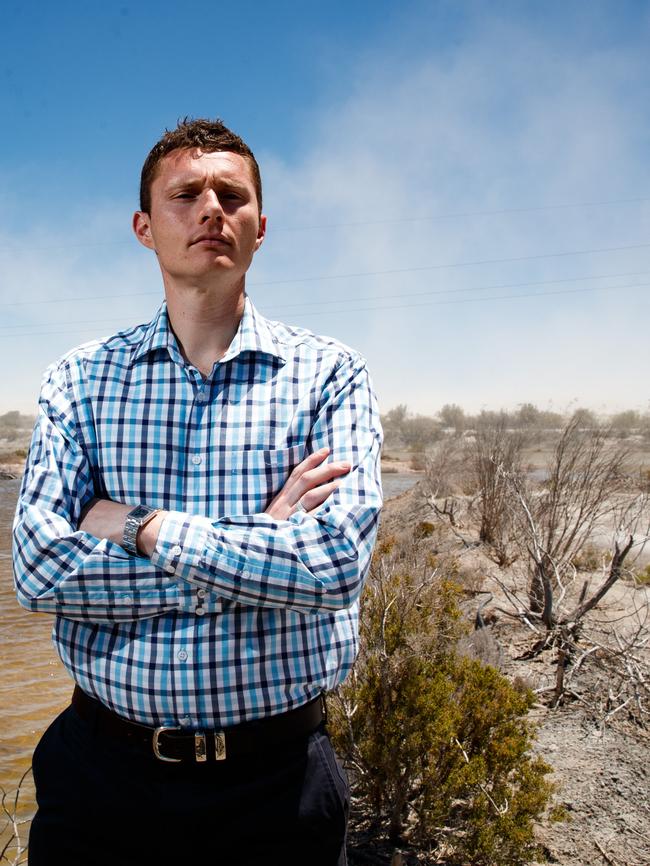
[261,232]
[142,229]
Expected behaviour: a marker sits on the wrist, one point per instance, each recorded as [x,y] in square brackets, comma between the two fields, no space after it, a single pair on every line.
[147,535]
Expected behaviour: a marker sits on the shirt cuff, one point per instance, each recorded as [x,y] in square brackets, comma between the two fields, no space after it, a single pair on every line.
[178,551]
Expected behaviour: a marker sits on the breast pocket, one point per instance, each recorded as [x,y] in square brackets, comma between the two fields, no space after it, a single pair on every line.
[250,479]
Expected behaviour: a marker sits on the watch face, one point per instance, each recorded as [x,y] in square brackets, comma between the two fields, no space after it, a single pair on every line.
[139,512]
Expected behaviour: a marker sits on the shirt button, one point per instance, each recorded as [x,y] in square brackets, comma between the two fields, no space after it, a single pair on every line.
[182,655]
[170,569]
[127,599]
[196,459]
[200,593]
[199,611]
[201,397]
[186,721]
[176,550]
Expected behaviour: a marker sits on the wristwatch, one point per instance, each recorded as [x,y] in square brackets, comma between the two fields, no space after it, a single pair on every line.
[140,516]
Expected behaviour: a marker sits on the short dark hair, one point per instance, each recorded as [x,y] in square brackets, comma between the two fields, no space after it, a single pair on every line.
[208,135]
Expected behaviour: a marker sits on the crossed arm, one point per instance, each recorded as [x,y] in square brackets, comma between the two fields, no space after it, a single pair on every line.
[310,483]
[68,558]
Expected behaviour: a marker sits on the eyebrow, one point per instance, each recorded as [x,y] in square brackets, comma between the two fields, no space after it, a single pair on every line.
[194,182]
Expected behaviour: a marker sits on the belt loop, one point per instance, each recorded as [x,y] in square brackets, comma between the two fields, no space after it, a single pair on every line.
[219,746]
[200,749]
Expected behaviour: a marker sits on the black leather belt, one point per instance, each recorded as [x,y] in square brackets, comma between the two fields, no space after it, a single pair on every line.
[174,745]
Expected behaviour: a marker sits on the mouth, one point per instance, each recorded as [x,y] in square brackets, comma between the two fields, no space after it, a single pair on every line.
[210,240]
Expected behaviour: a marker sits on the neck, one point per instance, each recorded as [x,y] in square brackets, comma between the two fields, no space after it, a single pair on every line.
[204,322]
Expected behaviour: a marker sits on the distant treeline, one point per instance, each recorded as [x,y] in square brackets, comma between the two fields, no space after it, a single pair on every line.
[15,427]
[405,430]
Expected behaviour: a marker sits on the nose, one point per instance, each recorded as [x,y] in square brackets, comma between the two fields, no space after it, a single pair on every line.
[210,206]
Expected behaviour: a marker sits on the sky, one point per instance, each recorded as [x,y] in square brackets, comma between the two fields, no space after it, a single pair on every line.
[458,190]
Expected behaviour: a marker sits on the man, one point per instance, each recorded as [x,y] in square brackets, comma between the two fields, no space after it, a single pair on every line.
[201,554]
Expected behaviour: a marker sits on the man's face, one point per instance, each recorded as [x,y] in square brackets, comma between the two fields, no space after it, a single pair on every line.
[204,223]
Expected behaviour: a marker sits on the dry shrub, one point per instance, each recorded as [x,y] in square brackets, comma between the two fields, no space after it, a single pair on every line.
[496,455]
[437,744]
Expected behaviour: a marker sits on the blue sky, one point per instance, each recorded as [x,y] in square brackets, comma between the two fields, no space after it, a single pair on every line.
[460,190]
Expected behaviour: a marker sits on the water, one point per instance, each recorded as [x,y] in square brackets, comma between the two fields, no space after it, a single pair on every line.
[394,483]
[34,686]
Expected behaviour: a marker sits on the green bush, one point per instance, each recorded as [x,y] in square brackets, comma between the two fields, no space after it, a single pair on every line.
[438,745]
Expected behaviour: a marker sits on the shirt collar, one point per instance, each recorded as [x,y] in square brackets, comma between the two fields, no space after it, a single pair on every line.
[254,334]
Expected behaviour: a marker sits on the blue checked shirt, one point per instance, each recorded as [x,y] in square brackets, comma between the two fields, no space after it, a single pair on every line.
[237,615]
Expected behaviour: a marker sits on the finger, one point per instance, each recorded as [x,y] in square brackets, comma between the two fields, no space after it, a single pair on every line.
[316,497]
[309,462]
[314,477]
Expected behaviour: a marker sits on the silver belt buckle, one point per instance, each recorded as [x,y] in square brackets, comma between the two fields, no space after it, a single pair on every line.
[156,745]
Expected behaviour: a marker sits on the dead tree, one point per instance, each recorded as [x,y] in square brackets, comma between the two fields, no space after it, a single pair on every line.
[584,479]
[445,478]
[587,489]
[495,456]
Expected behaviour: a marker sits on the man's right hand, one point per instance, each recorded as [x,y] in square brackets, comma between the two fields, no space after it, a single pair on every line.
[310,483]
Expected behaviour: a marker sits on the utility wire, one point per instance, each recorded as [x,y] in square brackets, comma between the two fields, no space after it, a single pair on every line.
[456,290]
[491,287]
[430,218]
[352,275]
[347,311]
[456,214]
[448,266]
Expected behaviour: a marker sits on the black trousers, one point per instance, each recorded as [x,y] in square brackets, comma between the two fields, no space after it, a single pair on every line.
[103,802]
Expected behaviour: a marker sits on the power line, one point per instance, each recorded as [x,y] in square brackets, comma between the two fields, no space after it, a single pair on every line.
[481,300]
[456,290]
[469,289]
[393,271]
[353,275]
[456,214]
[347,311]
[352,223]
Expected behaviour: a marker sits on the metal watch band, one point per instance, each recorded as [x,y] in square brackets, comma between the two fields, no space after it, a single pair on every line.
[140,515]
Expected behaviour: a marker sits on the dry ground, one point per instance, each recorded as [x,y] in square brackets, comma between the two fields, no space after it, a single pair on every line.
[600,763]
